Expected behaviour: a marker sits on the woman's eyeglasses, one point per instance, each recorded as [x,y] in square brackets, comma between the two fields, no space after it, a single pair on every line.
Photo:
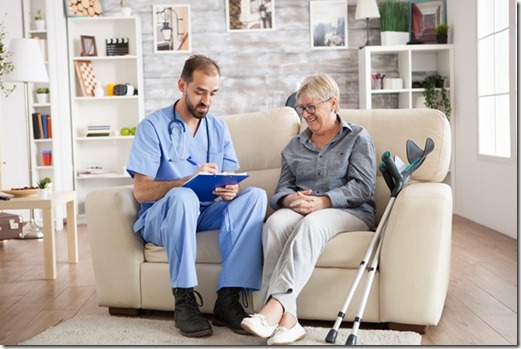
[310,109]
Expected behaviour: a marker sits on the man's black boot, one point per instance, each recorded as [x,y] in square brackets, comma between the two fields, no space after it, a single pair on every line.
[228,311]
[187,316]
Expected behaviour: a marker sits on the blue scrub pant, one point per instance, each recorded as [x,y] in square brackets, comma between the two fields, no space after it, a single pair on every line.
[174,220]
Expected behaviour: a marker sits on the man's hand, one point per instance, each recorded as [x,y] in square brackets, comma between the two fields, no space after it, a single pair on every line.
[228,193]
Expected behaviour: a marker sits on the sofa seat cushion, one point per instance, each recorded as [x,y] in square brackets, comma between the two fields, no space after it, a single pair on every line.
[346,250]
[207,249]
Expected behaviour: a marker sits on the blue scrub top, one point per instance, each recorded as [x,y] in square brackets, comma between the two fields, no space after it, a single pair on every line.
[161,146]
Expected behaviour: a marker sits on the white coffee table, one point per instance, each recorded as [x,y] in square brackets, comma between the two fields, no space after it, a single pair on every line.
[49,241]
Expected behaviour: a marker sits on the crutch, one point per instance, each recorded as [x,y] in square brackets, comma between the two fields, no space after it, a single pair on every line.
[395,181]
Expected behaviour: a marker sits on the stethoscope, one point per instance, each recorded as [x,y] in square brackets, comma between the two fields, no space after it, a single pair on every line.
[175,120]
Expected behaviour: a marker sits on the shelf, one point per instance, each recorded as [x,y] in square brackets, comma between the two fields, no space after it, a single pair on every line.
[105,98]
[105,138]
[42,105]
[104,152]
[104,176]
[105,58]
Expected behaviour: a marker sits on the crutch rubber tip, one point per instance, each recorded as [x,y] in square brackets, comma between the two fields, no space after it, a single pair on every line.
[331,336]
[351,340]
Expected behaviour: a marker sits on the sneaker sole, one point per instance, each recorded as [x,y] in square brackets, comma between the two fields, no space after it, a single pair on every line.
[287,342]
[251,330]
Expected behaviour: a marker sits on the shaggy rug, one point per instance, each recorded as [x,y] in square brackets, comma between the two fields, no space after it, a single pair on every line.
[112,330]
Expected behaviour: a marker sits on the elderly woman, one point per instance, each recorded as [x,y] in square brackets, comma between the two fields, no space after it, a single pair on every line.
[326,187]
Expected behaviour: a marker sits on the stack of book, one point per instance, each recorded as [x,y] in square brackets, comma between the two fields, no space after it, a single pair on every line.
[42,126]
[97,130]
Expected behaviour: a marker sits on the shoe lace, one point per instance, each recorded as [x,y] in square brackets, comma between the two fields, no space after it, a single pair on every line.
[244,297]
[191,301]
[235,304]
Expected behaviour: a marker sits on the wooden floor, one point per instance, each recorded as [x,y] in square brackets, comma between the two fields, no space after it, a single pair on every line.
[481,305]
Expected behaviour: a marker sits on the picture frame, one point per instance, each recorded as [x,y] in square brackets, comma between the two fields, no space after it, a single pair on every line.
[424,16]
[258,16]
[80,8]
[328,24]
[88,46]
[172,28]
[86,77]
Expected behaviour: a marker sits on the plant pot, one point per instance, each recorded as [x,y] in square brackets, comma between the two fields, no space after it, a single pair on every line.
[42,193]
[394,38]
[441,39]
[42,98]
[40,24]
[126,11]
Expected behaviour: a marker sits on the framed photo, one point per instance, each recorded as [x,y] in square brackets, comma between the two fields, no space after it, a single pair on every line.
[424,16]
[328,24]
[172,32]
[86,77]
[82,8]
[249,15]
[88,46]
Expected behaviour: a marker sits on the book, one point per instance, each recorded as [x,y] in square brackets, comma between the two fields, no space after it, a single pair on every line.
[40,126]
[44,126]
[203,184]
[36,130]
[49,126]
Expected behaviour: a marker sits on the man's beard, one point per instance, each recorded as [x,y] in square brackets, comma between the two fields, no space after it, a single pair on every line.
[192,109]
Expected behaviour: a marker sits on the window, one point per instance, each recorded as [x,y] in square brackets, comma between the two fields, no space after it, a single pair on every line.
[496,76]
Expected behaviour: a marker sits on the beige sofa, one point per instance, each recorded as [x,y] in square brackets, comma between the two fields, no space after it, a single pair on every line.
[413,277]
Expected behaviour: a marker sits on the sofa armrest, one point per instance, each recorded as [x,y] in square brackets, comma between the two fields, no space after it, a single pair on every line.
[117,252]
[415,256]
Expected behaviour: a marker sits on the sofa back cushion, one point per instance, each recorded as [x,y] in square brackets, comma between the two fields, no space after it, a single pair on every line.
[259,138]
[390,130]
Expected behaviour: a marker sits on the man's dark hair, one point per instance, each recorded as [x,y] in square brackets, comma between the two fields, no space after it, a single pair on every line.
[199,62]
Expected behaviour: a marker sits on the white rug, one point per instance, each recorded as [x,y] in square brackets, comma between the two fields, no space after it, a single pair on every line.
[112,330]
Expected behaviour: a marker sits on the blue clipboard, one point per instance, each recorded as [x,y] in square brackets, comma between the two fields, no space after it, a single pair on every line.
[203,184]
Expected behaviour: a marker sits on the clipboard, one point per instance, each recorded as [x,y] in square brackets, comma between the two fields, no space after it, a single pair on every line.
[203,184]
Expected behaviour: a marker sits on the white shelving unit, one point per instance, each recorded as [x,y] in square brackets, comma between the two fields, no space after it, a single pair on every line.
[104,156]
[411,64]
[52,39]
[38,146]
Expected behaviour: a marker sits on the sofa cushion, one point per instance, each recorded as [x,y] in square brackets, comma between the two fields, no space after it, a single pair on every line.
[259,137]
[346,250]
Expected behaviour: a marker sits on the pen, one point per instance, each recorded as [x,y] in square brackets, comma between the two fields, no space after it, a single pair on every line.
[189,159]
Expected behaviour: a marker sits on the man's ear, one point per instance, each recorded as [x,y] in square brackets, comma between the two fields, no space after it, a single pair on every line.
[181,85]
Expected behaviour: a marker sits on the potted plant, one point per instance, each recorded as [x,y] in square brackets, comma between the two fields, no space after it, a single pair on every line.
[435,93]
[39,22]
[42,94]
[442,33]
[394,22]
[43,187]
[6,66]
[125,10]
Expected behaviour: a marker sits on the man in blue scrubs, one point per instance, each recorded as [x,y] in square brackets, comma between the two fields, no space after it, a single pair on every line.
[171,146]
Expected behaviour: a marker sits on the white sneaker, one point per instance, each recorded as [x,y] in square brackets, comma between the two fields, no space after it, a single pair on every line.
[283,336]
[256,324]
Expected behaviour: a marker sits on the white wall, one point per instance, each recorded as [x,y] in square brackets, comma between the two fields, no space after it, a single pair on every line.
[486,191]
[12,113]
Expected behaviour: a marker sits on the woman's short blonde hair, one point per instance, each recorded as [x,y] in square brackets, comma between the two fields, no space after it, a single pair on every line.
[320,87]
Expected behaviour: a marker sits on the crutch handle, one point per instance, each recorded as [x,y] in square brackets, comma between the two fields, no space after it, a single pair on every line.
[395,174]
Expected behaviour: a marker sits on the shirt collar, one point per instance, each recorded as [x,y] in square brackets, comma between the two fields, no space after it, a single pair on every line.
[305,135]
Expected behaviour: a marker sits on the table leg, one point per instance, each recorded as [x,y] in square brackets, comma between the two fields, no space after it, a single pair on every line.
[49,244]
[72,232]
